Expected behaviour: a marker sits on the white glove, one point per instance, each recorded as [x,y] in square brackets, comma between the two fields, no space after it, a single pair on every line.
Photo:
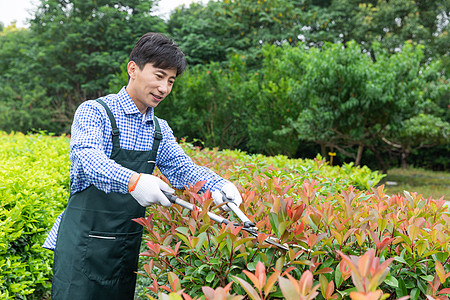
[149,189]
[231,192]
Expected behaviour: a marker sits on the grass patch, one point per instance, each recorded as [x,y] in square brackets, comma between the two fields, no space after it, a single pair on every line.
[425,182]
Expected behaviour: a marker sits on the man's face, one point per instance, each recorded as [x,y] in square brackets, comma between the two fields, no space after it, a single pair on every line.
[149,86]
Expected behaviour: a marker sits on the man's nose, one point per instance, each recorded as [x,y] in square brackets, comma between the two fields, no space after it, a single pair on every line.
[163,88]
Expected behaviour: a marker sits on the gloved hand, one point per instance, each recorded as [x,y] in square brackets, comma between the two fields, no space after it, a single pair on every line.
[148,190]
[231,192]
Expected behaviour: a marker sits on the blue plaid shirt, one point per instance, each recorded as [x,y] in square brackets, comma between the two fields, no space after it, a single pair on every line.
[91,147]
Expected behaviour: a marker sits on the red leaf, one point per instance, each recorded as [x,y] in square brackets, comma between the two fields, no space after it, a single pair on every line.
[384,243]
[155,286]
[260,273]
[375,238]
[154,247]
[166,288]
[440,271]
[365,262]
[227,288]
[324,271]
[187,297]
[208,292]
[254,279]
[305,283]
[330,290]
[175,284]
[287,271]
[366,296]
[445,291]
[299,229]
[177,246]
[298,212]
[197,187]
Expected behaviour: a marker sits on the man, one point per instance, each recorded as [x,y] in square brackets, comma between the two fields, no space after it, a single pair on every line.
[115,144]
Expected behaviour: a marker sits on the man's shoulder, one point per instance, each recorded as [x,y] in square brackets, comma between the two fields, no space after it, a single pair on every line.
[162,122]
[90,105]
[110,100]
[91,109]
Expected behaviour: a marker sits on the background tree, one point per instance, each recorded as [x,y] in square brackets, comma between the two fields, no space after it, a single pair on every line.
[23,101]
[418,132]
[218,29]
[349,100]
[77,47]
[216,103]
[389,23]
[250,85]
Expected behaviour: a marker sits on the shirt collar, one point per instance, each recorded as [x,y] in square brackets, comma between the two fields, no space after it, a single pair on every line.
[130,108]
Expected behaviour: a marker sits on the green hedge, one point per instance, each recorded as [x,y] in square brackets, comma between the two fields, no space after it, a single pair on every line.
[34,188]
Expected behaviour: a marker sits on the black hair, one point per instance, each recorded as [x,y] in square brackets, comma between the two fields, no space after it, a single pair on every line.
[159,50]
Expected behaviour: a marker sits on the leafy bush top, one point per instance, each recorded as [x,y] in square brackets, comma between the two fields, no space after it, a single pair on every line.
[327,223]
[34,188]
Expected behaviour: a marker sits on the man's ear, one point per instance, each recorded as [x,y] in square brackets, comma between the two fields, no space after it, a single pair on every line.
[131,69]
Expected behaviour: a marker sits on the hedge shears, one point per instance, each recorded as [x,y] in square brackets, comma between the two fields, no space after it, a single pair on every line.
[248,225]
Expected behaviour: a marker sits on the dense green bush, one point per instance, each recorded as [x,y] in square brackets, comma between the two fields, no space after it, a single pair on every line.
[34,188]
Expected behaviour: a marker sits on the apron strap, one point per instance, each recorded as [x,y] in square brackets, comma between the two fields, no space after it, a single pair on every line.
[156,141]
[115,130]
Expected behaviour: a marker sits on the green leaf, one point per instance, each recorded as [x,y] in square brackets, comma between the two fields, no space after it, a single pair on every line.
[282,227]
[273,218]
[210,277]
[183,230]
[312,223]
[184,239]
[415,293]
[280,263]
[252,266]
[229,244]
[401,290]
[201,240]
[175,296]
[427,277]
[323,284]
[338,276]
[242,241]
[430,253]
[401,260]
[422,286]
[391,281]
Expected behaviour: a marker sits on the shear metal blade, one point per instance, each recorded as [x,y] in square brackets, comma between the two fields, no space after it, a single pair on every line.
[268,240]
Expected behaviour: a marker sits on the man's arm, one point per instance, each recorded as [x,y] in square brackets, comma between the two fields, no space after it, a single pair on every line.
[90,149]
[179,168]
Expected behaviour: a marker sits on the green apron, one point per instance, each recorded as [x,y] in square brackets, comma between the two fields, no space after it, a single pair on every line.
[97,247]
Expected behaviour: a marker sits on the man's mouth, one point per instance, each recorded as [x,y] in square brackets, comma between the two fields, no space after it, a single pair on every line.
[158,98]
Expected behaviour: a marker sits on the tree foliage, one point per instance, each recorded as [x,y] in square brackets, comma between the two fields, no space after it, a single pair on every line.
[362,70]
[336,96]
[349,100]
[23,104]
[74,48]
[214,31]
